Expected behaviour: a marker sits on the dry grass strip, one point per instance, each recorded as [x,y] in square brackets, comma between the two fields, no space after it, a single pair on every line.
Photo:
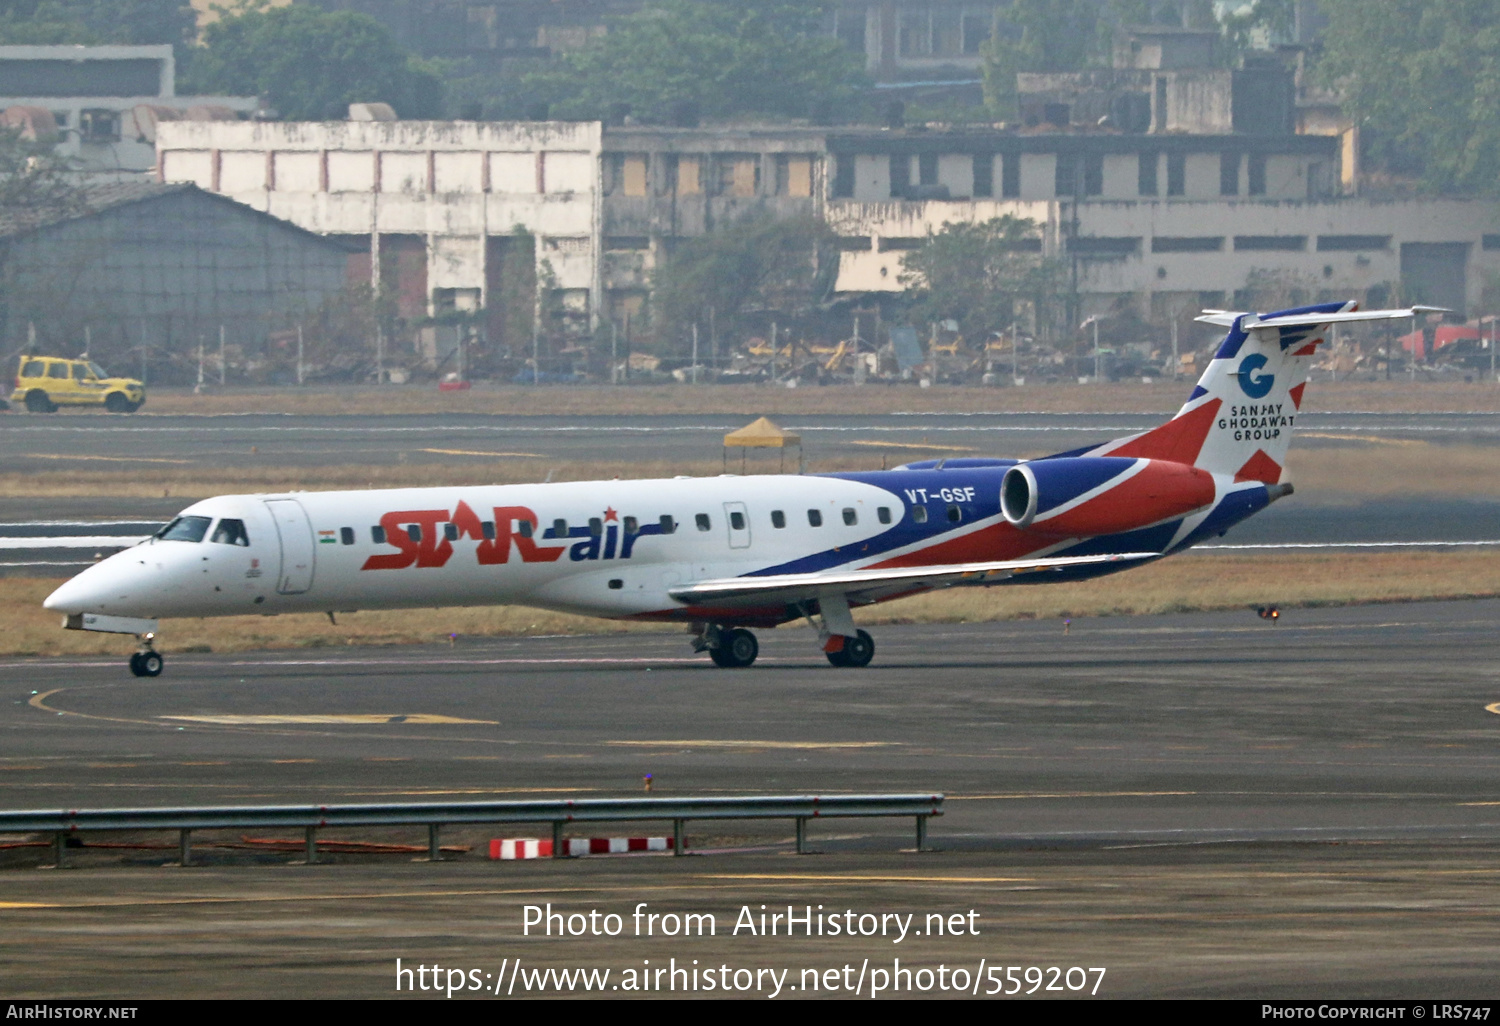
[1195,581]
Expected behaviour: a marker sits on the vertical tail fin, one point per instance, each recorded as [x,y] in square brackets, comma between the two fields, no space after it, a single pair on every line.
[1238,420]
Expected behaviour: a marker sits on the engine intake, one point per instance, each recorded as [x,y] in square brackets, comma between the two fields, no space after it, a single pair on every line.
[1084,496]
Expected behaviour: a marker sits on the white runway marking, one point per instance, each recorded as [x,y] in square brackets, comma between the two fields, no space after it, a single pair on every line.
[1353,545]
[361,719]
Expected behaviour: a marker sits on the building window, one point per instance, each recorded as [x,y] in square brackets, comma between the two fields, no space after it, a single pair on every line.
[814,518]
[99,126]
[1093,174]
[900,175]
[1145,176]
[739,175]
[1176,174]
[1187,244]
[927,167]
[1271,243]
[689,176]
[1065,178]
[984,174]
[1010,176]
[1229,174]
[1257,182]
[778,519]
[793,175]
[916,32]
[704,524]
[1355,243]
[843,176]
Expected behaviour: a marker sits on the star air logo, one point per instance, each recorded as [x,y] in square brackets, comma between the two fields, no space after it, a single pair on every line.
[428,537]
[1253,383]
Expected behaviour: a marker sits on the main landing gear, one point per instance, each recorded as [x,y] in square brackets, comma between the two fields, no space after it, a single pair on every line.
[855,651]
[732,648]
[148,661]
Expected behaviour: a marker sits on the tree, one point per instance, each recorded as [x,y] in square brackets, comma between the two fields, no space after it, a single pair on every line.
[39,22]
[312,64]
[976,274]
[742,275]
[1423,78]
[718,58]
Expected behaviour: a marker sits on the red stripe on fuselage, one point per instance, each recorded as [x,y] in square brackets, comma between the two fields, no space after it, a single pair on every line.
[1178,440]
[997,541]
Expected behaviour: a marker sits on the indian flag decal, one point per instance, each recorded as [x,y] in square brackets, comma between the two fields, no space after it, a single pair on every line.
[327,538]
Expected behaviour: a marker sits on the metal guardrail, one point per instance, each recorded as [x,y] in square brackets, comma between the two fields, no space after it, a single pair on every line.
[558,813]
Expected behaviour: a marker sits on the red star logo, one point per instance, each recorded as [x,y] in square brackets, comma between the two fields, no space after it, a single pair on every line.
[611,514]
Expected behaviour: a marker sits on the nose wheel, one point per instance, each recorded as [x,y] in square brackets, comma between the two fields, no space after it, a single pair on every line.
[148,661]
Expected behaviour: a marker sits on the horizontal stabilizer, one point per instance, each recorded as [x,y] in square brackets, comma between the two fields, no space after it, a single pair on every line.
[1226,318]
[804,587]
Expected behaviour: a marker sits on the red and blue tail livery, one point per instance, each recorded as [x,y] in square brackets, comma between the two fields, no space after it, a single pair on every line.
[730,554]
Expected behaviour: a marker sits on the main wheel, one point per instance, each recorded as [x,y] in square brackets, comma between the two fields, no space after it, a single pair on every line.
[135,663]
[116,402]
[146,664]
[737,649]
[857,651]
[37,402]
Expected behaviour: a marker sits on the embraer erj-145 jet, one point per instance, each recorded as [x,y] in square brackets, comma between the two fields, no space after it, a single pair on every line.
[726,554]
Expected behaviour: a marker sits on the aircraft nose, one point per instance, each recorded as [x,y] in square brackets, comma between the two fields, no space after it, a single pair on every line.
[92,591]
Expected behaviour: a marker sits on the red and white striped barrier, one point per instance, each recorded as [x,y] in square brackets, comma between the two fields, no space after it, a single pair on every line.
[508,848]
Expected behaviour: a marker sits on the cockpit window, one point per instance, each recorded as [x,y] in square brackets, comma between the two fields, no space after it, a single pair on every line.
[232,532]
[186,529]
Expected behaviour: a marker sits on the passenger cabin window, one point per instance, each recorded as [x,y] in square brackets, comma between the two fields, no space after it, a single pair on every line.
[814,518]
[450,531]
[559,528]
[919,514]
[955,514]
[188,529]
[883,514]
[414,532]
[703,522]
[487,528]
[232,532]
[524,529]
[668,525]
[778,518]
[850,516]
[377,535]
[596,527]
[736,520]
[346,535]
[631,525]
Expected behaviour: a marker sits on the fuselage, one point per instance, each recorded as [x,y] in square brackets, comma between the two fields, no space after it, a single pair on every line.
[601,548]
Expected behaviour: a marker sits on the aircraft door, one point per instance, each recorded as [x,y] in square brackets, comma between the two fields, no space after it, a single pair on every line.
[738,519]
[297,550]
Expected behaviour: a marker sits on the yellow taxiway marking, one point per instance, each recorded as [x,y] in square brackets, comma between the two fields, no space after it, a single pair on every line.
[106,459]
[851,878]
[362,719]
[757,744]
[27,904]
[471,452]
[913,445]
[1493,707]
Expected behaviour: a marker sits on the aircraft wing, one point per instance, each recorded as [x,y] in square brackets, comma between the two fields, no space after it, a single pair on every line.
[1226,318]
[802,587]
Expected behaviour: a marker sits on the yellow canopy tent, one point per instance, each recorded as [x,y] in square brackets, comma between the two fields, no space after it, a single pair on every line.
[762,434]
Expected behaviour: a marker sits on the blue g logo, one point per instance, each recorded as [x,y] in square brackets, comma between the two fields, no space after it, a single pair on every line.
[1253,386]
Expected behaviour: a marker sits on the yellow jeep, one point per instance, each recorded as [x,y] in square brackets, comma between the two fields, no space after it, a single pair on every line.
[46,382]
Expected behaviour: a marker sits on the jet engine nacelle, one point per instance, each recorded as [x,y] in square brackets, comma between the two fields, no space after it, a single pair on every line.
[1092,495]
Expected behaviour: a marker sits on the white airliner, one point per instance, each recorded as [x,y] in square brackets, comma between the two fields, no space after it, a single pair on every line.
[729,553]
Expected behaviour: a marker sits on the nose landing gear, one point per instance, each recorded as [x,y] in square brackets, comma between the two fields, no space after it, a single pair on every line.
[148,661]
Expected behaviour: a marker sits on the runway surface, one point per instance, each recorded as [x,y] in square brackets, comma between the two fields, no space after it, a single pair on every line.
[1206,804]
[59,536]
